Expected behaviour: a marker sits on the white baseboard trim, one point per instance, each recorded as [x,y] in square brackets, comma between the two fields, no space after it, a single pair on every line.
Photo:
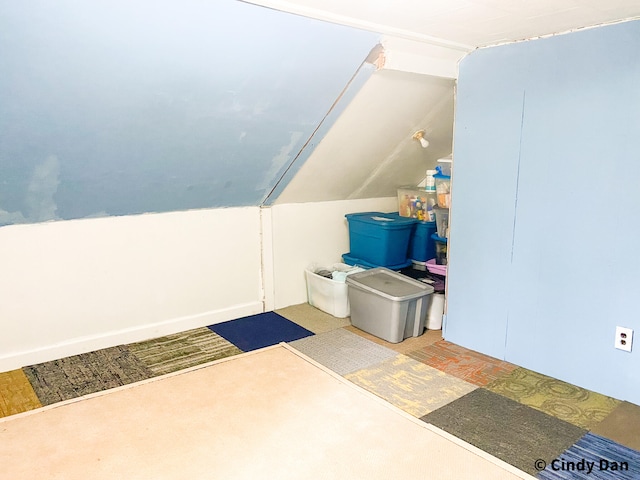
[130,335]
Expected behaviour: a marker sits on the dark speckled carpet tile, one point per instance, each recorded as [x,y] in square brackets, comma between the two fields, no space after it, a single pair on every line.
[573,404]
[72,377]
[513,432]
[183,350]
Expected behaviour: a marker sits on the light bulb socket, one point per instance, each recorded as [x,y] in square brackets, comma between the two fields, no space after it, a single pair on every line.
[419,135]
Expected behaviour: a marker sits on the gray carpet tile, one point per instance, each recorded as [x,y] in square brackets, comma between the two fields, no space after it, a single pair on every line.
[342,351]
[83,374]
[513,432]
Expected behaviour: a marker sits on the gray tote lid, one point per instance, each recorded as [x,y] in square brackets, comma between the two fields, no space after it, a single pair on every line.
[389,284]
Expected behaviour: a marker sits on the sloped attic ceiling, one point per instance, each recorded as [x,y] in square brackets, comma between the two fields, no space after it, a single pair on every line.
[112,107]
[464,24]
[369,150]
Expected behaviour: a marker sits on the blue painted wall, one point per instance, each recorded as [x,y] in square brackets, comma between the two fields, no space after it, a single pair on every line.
[122,107]
[546,206]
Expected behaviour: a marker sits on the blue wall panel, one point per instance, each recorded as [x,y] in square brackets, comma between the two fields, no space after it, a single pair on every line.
[483,203]
[121,107]
[573,273]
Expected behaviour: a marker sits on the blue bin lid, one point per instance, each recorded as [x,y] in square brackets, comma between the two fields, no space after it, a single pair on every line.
[379,219]
[442,177]
[349,260]
[438,239]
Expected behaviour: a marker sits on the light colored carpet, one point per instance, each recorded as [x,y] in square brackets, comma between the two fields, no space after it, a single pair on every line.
[312,318]
[342,351]
[410,385]
[407,345]
[266,414]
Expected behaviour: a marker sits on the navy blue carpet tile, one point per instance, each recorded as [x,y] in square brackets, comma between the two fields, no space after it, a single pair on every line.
[258,331]
[594,457]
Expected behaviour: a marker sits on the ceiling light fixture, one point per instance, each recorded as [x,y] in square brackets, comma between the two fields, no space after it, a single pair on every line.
[419,135]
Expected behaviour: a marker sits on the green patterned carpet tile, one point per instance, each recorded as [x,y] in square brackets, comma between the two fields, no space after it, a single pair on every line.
[513,432]
[79,375]
[312,319]
[182,350]
[470,366]
[622,425]
[16,394]
[410,385]
[575,405]
[342,351]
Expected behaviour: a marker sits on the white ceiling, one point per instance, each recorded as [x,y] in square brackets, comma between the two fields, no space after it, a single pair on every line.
[464,24]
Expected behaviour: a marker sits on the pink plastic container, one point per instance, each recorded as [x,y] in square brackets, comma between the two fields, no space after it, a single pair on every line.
[437,269]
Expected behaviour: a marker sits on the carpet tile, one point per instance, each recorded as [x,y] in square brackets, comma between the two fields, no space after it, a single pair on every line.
[83,374]
[258,331]
[410,385]
[513,432]
[470,366]
[594,457]
[573,404]
[312,318]
[16,394]
[405,346]
[622,425]
[342,351]
[182,350]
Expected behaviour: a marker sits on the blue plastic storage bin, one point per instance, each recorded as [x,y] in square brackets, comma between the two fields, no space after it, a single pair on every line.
[441,249]
[381,239]
[422,246]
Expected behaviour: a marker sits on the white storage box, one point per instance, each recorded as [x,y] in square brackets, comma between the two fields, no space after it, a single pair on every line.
[327,294]
[387,304]
[436,311]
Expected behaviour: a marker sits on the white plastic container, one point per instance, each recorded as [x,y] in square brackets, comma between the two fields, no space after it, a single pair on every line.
[330,296]
[430,182]
[387,304]
[436,311]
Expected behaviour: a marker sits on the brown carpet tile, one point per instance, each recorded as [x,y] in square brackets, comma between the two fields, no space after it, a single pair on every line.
[622,425]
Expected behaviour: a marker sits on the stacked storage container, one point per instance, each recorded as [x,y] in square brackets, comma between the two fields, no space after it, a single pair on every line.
[379,240]
[443,192]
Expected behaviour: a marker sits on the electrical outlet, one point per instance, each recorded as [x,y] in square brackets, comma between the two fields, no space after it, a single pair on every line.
[624,338]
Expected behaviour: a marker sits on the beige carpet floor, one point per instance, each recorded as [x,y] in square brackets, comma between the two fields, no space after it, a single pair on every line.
[272,413]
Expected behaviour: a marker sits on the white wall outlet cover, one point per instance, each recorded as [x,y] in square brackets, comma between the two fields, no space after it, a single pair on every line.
[624,338]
